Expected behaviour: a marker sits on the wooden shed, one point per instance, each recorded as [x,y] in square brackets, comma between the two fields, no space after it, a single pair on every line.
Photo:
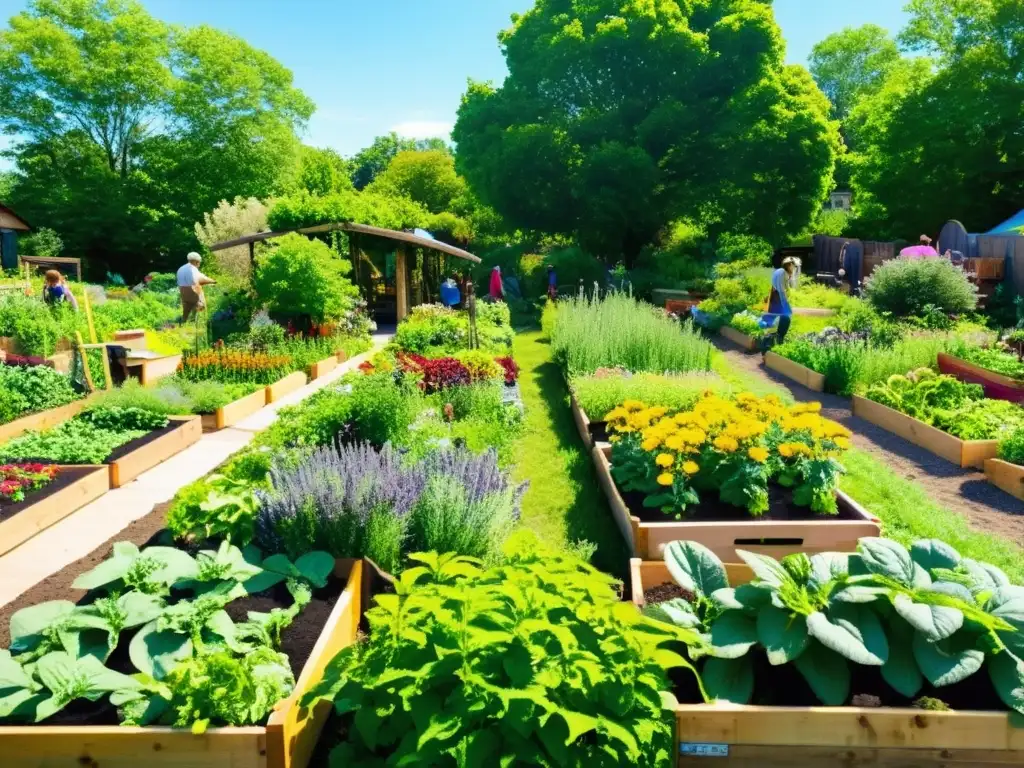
[10,225]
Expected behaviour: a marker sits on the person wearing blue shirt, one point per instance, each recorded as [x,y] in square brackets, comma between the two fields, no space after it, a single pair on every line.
[450,294]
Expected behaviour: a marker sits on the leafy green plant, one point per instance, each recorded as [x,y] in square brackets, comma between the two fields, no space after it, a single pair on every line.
[922,614]
[1011,448]
[995,360]
[907,286]
[30,389]
[543,666]
[620,331]
[747,323]
[151,571]
[117,419]
[74,442]
[598,394]
[220,506]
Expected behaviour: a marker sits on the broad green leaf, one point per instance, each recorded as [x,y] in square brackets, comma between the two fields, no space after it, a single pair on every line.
[695,568]
[944,664]
[726,598]
[175,564]
[315,567]
[783,636]
[106,572]
[56,671]
[986,577]
[577,722]
[12,675]
[950,589]
[886,557]
[766,569]
[156,653]
[729,680]
[826,672]
[1008,604]
[858,593]
[828,566]
[934,553]
[139,608]
[732,635]
[935,621]
[900,670]
[28,624]
[676,611]
[1007,674]
[852,631]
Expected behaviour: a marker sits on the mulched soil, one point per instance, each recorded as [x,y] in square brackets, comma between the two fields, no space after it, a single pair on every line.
[124,450]
[297,641]
[780,508]
[662,593]
[64,478]
[965,491]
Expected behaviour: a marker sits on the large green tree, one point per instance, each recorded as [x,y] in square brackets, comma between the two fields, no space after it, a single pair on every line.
[128,129]
[852,63]
[949,144]
[618,117]
[428,177]
[369,163]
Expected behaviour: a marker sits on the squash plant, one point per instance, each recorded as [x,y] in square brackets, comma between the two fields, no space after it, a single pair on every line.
[533,662]
[923,614]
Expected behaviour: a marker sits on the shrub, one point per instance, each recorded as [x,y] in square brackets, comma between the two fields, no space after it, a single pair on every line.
[382,408]
[304,278]
[554,671]
[229,221]
[589,334]
[1011,447]
[599,395]
[30,389]
[480,365]
[907,286]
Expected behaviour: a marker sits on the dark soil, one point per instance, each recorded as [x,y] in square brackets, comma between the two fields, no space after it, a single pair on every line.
[599,431]
[63,479]
[124,450]
[297,641]
[780,508]
[662,593]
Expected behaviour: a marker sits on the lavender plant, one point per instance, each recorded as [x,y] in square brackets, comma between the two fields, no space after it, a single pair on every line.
[357,501]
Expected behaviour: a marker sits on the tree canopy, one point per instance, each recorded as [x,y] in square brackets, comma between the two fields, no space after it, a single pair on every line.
[129,129]
[619,117]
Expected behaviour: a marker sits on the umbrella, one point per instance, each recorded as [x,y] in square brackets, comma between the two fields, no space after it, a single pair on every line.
[919,251]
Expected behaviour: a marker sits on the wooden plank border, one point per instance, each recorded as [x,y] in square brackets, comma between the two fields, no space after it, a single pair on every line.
[749,343]
[36,518]
[158,368]
[287,741]
[801,374]
[145,457]
[285,386]
[234,412]
[963,453]
[777,539]
[582,422]
[43,419]
[1006,476]
[772,737]
[996,386]
[323,367]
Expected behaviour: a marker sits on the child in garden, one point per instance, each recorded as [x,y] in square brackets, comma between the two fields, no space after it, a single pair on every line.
[56,290]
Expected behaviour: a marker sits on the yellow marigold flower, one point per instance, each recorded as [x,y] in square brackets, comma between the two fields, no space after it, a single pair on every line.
[665,460]
[758,454]
[633,405]
[616,413]
[666,478]
[691,468]
[786,450]
[726,444]
[842,442]
[650,444]
[674,443]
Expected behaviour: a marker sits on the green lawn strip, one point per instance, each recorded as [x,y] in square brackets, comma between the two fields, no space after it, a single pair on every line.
[743,381]
[908,513]
[564,502]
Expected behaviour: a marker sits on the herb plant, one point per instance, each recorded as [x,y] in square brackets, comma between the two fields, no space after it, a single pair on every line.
[542,666]
[30,389]
[991,359]
[78,441]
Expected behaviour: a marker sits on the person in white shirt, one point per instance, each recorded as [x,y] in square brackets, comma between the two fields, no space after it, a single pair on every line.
[190,286]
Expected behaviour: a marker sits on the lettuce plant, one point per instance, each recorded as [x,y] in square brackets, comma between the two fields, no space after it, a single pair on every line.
[534,662]
[922,614]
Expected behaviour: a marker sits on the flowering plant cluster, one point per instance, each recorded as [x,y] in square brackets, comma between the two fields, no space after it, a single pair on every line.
[17,479]
[734,447]
[510,368]
[439,373]
[235,366]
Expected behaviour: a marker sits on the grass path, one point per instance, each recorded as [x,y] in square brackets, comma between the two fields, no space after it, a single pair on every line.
[564,503]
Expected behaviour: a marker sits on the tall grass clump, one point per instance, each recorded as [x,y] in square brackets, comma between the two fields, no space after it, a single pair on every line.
[877,364]
[620,331]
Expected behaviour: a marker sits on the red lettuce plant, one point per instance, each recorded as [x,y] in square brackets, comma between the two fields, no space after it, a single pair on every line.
[17,479]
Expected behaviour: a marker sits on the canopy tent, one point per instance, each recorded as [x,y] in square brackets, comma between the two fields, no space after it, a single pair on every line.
[1012,226]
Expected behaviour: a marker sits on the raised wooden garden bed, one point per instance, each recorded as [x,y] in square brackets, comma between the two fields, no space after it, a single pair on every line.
[775,538]
[741,736]
[42,420]
[286,741]
[963,453]
[749,343]
[1006,476]
[582,422]
[996,386]
[232,413]
[130,465]
[322,368]
[813,312]
[341,355]
[802,375]
[72,488]
[285,386]
[150,368]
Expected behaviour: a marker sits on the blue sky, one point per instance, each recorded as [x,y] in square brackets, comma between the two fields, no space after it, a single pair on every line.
[377,65]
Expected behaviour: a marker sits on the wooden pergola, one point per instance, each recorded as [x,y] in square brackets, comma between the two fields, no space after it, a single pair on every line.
[402,238]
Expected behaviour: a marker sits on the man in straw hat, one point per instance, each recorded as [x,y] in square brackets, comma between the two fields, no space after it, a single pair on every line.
[190,286]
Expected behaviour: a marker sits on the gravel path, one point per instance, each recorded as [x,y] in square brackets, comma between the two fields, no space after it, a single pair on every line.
[965,491]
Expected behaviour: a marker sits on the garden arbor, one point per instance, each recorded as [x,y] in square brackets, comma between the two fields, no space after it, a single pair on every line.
[412,277]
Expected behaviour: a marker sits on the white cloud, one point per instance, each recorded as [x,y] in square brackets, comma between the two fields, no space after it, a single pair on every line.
[424,129]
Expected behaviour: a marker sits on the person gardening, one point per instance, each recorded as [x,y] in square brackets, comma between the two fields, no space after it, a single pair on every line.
[56,290]
[190,286]
[552,283]
[779,309]
[450,293]
[497,293]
